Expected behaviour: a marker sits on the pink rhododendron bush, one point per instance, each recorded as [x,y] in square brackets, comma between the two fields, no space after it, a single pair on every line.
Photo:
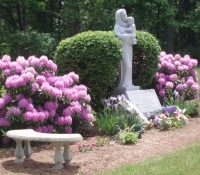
[36,98]
[177,77]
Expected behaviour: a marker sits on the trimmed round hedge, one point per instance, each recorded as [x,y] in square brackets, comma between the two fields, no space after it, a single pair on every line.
[95,57]
[145,59]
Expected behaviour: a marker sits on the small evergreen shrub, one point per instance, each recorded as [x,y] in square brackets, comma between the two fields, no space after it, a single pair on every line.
[95,57]
[145,59]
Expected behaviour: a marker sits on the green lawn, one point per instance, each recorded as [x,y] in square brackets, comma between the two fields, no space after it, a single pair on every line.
[198,72]
[182,162]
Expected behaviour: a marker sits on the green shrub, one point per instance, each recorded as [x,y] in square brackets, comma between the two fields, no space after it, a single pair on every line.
[145,59]
[95,57]
[128,137]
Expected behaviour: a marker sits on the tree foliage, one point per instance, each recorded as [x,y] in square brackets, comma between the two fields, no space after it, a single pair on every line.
[175,23]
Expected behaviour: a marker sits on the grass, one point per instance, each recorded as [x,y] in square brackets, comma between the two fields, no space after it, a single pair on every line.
[198,73]
[182,162]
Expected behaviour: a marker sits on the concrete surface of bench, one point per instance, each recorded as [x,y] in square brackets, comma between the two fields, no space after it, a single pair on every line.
[57,140]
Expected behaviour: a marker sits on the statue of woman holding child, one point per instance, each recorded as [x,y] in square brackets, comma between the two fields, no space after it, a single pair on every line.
[125,30]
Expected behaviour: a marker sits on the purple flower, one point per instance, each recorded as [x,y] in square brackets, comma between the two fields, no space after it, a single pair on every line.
[161,81]
[41,116]
[51,105]
[87,98]
[5,140]
[173,77]
[59,84]
[177,56]
[6,58]
[189,82]
[67,111]
[193,72]
[157,121]
[180,68]
[194,62]
[45,87]
[50,64]
[55,92]
[169,85]
[158,87]
[179,87]
[156,75]
[2,102]
[7,98]
[162,92]
[43,60]
[27,77]
[7,72]
[50,128]
[185,67]
[40,79]
[39,129]
[162,54]
[30,107]
[21,61]
[195,86]
[74,76]
[31,70]
[5,122]
[23,103]
[52,113]
[177,63]
[44,129]
[28,116]
[19,97]
[68,130]
[68,120]
[170,66]
[3,113]
[35,87]
[169,109]
[15,111]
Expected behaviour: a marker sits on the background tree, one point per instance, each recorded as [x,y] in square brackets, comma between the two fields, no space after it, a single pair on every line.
[174,23]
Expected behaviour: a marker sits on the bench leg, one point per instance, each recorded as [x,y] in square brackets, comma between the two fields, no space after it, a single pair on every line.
[19,152]
[67,154]
[58,157]
[27,150]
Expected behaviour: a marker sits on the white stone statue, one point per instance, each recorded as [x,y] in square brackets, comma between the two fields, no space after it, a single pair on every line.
[131,29]
[127,35]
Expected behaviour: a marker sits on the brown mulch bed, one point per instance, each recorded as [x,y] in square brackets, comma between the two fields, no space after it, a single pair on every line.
[152,143]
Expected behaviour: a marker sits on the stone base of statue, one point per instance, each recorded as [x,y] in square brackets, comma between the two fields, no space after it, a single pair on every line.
[121,90]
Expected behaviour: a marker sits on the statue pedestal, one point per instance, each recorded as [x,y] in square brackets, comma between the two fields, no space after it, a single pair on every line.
[121,90]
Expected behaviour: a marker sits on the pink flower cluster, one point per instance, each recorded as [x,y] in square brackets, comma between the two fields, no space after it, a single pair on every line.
[177,75]
[44,101]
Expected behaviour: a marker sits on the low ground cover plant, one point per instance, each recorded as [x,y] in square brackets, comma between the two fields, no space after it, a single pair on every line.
[128,137]
[36,98]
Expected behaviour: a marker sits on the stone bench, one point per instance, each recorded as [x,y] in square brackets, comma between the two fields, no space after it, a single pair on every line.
[57,140]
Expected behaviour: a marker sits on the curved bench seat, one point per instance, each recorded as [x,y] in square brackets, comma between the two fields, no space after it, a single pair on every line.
[57,140]
[31,135]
